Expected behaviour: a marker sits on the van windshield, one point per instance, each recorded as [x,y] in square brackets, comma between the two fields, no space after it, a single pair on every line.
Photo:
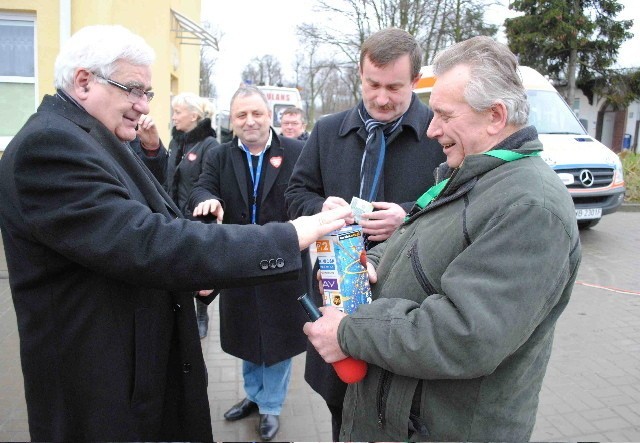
[550,114]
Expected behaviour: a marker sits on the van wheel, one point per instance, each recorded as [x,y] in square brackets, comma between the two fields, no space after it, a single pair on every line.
[587,224]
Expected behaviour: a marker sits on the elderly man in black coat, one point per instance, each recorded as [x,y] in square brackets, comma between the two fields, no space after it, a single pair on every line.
[243,182]
[99,258]
[378,151]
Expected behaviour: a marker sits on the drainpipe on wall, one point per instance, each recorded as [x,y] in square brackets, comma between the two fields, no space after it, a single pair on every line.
[65,21]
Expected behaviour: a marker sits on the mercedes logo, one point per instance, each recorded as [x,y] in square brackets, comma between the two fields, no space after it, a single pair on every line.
[586,178]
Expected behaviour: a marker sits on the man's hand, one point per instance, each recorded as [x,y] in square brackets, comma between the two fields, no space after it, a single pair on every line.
[379,225]
[311,227]
[337,202]
[148,133]
[211,206]
[323,334]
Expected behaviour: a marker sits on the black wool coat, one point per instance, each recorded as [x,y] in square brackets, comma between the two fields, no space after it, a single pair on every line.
[186,156]
[98,261]
[330,166]
[156,164]
[263,323]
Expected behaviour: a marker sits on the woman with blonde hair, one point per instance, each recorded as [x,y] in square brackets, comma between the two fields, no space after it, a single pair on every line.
[192,136]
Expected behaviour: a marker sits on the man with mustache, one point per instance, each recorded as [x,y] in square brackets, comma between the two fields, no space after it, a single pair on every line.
[378,151]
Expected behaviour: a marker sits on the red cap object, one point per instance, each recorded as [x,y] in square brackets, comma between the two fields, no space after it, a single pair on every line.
[350,370]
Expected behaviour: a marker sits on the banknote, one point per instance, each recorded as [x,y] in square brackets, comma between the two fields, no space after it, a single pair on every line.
[359,207]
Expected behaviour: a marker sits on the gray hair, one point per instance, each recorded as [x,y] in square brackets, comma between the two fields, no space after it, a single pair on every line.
[494,76]
[194,103]
[388,45]
[247,90]
[97,49]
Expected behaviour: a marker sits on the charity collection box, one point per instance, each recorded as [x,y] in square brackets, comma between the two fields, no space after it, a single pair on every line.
[343,267]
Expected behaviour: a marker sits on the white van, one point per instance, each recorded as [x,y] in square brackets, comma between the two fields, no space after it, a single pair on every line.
[281,98]
[591,171]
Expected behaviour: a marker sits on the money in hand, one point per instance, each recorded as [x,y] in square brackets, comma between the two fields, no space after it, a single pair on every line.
[359,207]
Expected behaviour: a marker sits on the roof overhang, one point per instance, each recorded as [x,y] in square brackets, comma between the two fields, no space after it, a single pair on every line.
[189,32]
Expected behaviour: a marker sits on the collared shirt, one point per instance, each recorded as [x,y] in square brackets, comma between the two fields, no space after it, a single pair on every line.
[255,163]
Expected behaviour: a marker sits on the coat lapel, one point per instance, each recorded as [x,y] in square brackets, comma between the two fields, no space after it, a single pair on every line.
[239,169]
[274,157]
[152,191]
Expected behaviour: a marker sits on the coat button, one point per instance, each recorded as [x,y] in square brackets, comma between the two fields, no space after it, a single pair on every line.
[186,368]
[280,262]
[272,263]
[177,307]
[264,265]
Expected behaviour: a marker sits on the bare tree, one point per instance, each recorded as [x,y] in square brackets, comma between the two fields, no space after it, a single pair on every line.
[337,95]
[313,70]
[265,70]
[435,24]
[207,67]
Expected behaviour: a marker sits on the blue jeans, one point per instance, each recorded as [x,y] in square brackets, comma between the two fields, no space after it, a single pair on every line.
[267,385]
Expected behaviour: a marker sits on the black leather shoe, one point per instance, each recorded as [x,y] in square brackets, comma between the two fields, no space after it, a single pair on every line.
[240,410]
[269,425]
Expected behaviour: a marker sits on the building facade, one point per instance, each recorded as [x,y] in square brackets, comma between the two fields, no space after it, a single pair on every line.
[32,32]
[617,129]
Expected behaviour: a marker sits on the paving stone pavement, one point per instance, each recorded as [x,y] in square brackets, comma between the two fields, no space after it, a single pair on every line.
[591,391]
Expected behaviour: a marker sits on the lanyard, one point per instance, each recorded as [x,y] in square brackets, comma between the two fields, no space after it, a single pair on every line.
[435,190]
[255,179]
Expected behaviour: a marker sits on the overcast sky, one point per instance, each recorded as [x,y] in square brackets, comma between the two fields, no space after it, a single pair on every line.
[253,28]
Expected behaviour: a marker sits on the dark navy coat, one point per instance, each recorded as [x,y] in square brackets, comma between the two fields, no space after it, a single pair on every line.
[330,166]
[263,323]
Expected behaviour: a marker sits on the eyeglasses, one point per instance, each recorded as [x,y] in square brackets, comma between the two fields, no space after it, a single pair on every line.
[133,94]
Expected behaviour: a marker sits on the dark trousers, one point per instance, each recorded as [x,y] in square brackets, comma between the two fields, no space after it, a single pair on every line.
[336,421]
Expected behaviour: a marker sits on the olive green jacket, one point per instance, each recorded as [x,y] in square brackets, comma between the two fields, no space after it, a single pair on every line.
[469,291]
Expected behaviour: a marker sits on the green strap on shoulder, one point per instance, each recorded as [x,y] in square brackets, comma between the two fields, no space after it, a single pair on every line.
[435,190]
[509,156]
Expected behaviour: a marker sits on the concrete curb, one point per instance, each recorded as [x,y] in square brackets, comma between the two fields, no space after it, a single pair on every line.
[630,207]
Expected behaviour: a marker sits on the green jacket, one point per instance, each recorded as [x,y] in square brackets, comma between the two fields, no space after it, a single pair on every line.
[469,290]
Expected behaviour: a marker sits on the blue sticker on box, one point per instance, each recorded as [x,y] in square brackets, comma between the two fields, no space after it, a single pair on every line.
[342,262]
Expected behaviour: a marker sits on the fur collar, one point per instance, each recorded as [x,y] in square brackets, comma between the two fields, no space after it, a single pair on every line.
[202,130]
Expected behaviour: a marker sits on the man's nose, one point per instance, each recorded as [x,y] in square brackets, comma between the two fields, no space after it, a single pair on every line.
[382,99]
[434,129]
[142,106]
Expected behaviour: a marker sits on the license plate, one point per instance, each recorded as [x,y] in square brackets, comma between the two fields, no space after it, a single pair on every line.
[588,213]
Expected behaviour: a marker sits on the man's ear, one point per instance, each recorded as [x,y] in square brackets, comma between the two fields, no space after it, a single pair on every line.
[81,83]
[497,118]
